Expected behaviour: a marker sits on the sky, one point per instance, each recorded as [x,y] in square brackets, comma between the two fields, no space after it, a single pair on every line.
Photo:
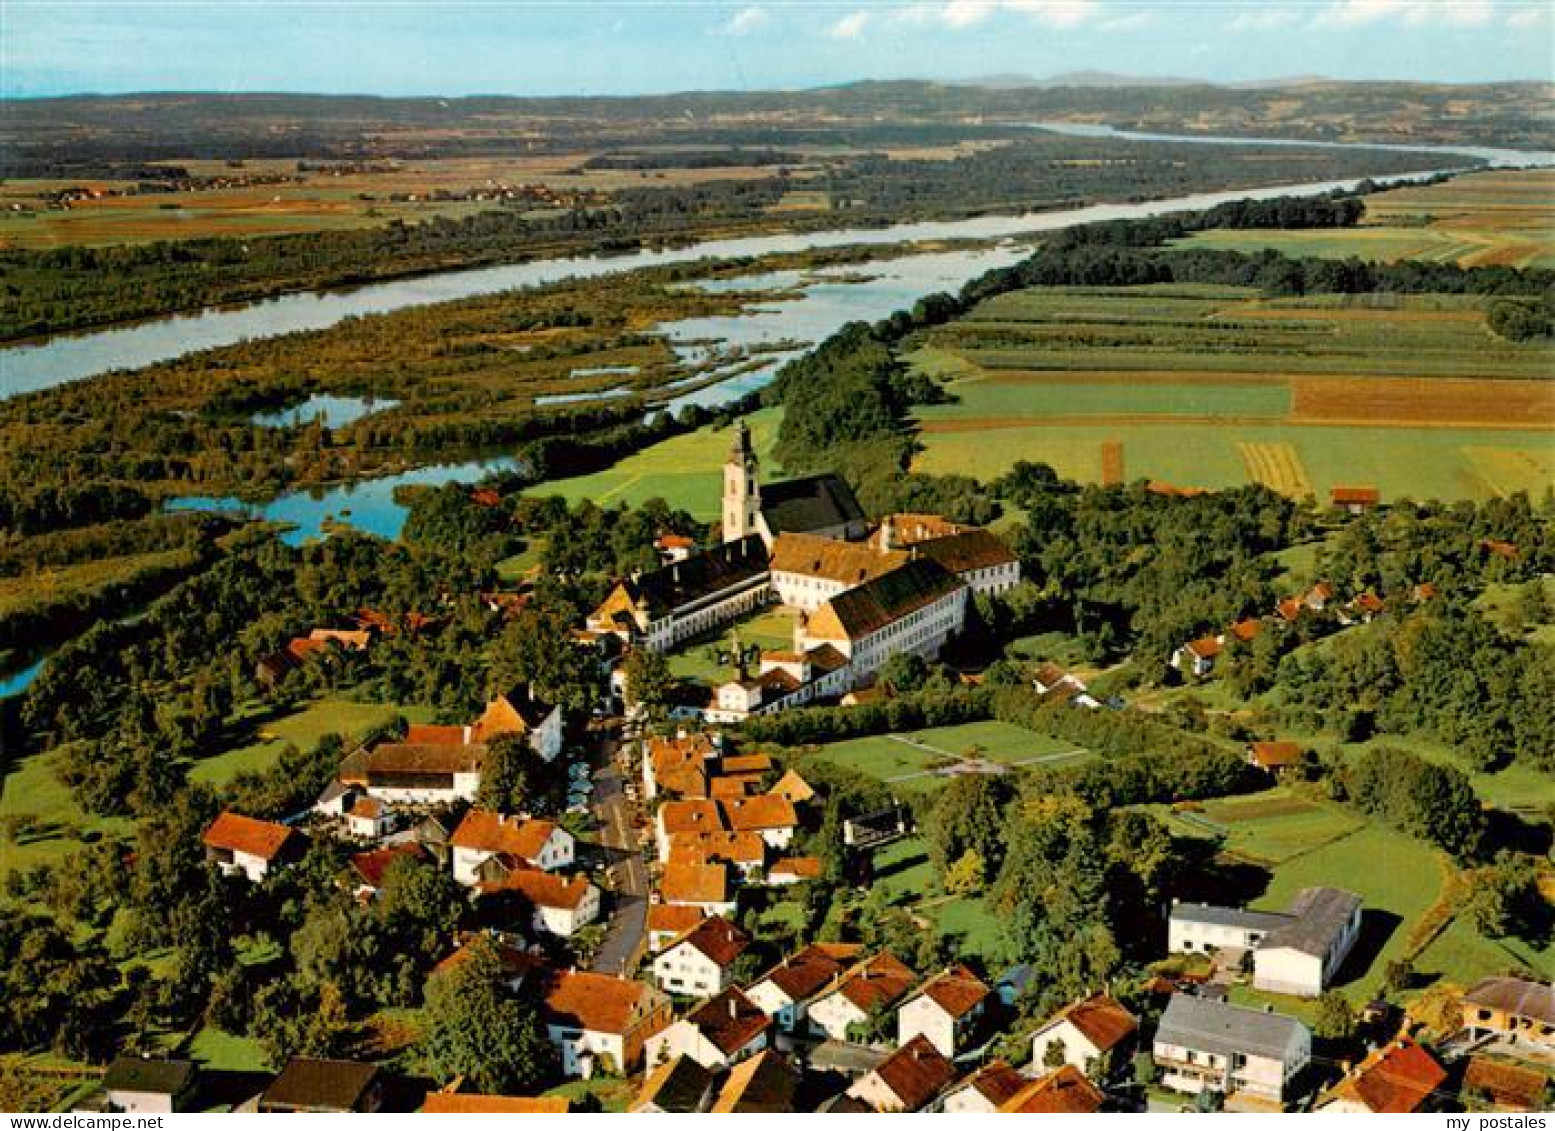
[457,47]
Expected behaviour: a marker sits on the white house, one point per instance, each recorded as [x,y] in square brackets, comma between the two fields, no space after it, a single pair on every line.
[559,905]
[907,1080]
[596,1021]
[1206,1045]
[367,818]
[721,1031]
[1082,1033]
[483,834]
[243,845]
[519,712]
[783,991]
[946,1010]
[148,1085]
[417,773]
[699,962]
[985,1091]
[1202,928]
[877,982]
[769,815]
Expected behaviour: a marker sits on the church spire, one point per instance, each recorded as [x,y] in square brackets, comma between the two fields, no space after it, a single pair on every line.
[742,494]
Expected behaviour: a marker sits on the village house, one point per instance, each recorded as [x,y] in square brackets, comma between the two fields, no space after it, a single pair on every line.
[679,1086]
[1274,758]
[985,1091]
[1296,951]
[674,547]
[764,1084]
[783,991]
[700,962]
[1197,657]
[1053,682]
[516,964]
[794,870]
[404,773]
[240,845]
[769,816]
[368,868]
[793,789]
[1088,1033]
[559,905]
[596,1021]
[690,881]
[721,1031]
[1355,500]
[1399,1078]
[1206,1045]
[667,922]
[677,766]
[1514,1009]
[907,1080]
[745,852]
[519,712]
[786,680]
[946,1010]
[367,818]
[877,982]
[686,818]
[483,834]
[1065,1091]
[144,1085]
[916,608]
[311,1085]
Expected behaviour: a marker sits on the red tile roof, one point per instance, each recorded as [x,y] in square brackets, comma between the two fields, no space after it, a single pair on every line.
[370,866]
[801,867]
[690,816]
[957,991]
[485,831]
[1361,496]
[1064,1092]
[1274,755]
[765,811]
[237,833]
[1102,1019]
[673,918]
[764,1083]
[717,938]
[916,1072]
[730,1021]
[802,974]
[599,1003]
[1394,1080]
[877,980]
[542,889]
[436,735]
[996,1082]
[687,879]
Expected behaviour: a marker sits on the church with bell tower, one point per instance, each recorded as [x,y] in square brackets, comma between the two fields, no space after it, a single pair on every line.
[742,492]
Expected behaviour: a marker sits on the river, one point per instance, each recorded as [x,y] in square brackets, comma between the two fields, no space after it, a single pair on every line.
[863,290]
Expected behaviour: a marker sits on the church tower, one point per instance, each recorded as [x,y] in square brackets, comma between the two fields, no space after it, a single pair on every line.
[742,495]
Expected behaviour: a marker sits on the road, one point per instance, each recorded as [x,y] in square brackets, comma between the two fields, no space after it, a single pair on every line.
[618,835]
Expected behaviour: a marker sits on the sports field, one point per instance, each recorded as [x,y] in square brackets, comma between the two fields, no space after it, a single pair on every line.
[1504,217]
[914,762]
[686,471]
[1212,387]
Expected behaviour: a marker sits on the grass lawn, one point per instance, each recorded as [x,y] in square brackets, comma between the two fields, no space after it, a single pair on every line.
[906,760]
[1462,955]
[684,471]
[1500,601]
[1516,786]
[215,1049]
[514,568]
[1274,827]
[32,788]
[1397,877]
[696,661]
[263,737]
[903,870]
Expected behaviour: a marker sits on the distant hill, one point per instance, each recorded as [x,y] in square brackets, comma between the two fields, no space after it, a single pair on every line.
[1112,80]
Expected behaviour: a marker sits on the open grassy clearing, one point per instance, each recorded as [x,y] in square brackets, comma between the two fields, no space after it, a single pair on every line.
[1267,829]
[1502,604]
[263,737]
[697,660]
[61,584]
[903,870]
[683,471]
[908,761]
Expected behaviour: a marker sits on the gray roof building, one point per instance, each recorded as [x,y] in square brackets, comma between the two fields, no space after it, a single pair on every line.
[1224,1029]
[144,1074]
[1317,920]
[1230,917]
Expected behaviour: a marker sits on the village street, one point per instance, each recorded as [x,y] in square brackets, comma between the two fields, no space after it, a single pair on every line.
[618,837]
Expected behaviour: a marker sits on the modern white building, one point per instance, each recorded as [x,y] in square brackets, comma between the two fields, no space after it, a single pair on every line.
[1296,951]
[1205,1045]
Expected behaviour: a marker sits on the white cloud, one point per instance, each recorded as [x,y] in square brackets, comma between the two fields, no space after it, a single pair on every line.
[850,26]
[965,13]
[958,14]
[1056,13]
[1416,13]
[1270,19]
[746,20]
[1525,19]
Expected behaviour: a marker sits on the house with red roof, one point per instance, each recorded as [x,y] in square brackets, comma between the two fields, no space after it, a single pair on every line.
[1399,1078]
[877,982]
[722,1031]
[484,834]
[1084,1033]
[243,845]
[700,962]
[947,1009]
[907,1080]
[598,1021]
